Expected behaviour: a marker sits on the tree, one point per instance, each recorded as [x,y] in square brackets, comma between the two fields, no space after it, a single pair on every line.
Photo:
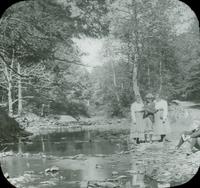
[147,55]
[35,33]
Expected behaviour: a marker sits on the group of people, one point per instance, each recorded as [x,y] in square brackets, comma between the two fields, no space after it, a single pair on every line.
[149,118]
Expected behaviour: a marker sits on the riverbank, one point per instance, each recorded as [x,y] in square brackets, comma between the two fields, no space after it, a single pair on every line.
[180,117]
[44,125]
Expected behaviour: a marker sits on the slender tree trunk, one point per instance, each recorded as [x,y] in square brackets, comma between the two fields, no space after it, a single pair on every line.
[114,81]
[10,106]
[136,51]
[148,75]
[9,88]
[160,75]
[42,110]
[8,75]
[19,91]
[114,74]
[135,81]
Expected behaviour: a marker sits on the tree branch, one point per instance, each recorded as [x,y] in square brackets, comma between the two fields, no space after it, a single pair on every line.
[26,97]
[14,71]
[68,61]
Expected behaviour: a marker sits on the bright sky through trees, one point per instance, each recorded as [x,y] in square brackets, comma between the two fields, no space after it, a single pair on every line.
[92,48]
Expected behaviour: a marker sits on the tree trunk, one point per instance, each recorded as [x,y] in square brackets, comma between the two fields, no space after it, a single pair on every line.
[19,91]
[9,88]
[10,106]
[42,110]
[136,51]
[148,75]
[115,82]
[161,79]
[135,82]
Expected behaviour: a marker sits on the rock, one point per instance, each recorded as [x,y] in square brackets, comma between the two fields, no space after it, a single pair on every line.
[102,185]
[83,184]
[8,153]
[49,183]
[98,166]
[120,153]
[100,155]
[132,171]
[54,169]
[114,173]
[163,185]
[22,179]
[29,172]
[61,177]
[79,156]
[6,175]
[47,170]
[121,177]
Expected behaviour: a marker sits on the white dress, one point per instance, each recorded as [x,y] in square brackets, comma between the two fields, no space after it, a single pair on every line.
[161,118]
[138,123]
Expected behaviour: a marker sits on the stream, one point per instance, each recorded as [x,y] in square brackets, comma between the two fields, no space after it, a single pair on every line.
[80,158]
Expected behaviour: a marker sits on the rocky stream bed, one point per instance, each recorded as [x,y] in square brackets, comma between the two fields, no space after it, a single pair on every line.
[97,155]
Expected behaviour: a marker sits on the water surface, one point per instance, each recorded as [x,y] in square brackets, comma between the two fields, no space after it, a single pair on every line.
[81,157]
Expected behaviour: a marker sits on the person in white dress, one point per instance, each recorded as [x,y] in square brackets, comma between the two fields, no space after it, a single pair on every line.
[162,126]
[137,126]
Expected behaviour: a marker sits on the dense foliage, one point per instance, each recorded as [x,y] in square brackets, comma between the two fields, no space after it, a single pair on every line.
[144,51]
[40,63]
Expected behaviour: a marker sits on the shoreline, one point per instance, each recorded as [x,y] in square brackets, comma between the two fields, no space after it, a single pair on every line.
[46,125]
[179,119]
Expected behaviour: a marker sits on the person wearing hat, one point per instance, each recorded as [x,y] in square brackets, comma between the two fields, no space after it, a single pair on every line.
[137,128]
[149,116]
[161,127]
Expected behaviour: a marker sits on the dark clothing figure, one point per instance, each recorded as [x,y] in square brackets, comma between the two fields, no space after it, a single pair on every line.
[148,116]
[149,111]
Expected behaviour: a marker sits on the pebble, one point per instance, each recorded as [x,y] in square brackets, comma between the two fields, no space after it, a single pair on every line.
[98,166]
[52,169]
[6,175]
[115,173]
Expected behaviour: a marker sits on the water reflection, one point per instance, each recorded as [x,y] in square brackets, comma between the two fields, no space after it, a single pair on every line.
[19,145]
[43,144]
[65,144]
[88,168]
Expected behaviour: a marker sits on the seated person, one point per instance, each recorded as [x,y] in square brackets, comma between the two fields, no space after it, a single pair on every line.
[193,137]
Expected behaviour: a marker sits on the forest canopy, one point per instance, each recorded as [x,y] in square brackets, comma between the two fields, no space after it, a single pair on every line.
[148,46]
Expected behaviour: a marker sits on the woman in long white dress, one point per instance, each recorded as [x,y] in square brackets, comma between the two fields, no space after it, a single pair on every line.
[138,126]
[162,126]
